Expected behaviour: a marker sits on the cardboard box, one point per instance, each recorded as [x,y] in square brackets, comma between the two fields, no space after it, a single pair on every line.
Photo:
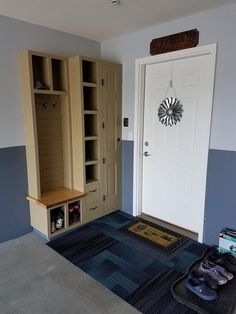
[227,241]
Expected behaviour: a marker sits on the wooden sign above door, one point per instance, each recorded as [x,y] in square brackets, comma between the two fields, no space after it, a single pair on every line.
[183,40]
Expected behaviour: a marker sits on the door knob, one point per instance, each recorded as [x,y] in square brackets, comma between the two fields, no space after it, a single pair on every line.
[146,154]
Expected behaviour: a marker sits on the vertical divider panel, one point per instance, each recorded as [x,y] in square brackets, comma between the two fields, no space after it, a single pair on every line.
[30,125]
[77,122]
[49,61]
[66,215]
[67,144]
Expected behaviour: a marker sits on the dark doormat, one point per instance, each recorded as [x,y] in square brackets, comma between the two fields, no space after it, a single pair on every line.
[164,238]
[224,304]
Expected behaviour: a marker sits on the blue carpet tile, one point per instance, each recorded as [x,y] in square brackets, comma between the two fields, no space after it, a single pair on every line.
[136,270]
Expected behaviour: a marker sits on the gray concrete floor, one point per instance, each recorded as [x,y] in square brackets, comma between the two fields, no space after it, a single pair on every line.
[34,279]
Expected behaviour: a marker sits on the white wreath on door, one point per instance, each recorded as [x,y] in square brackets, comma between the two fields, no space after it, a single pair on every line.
[170,111]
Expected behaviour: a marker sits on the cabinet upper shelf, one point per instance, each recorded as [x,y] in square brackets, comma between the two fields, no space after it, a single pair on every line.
[90,112]
[49,74]
[49,92]
[86,84]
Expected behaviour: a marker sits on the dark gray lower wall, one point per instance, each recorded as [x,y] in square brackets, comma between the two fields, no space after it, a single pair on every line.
[127,176]
[220,207]
[14,209]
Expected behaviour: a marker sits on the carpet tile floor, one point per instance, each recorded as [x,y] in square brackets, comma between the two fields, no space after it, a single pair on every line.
[136,270]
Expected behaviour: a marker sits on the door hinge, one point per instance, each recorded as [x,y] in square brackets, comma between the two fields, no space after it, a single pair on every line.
[103,125]
[103,160]
[104,198]
[102,82]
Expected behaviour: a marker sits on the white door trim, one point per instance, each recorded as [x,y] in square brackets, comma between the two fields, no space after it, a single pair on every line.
[139,114]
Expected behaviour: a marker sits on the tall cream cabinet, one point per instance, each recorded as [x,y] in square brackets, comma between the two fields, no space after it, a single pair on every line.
[111,135]
[72,111]
[95,89]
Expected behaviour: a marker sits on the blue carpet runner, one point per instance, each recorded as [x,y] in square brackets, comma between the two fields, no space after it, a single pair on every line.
[137,271]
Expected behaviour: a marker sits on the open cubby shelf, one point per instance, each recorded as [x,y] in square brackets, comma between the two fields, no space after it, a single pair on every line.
[89,69]
[58,75]
[40,67]
[57,219]
[90,98]
[91,150]
[91,172]
[90,125]
[74,212]
[49,74]
[91,119]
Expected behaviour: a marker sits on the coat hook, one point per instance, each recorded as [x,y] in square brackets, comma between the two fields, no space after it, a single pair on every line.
[54,105]
[44,105]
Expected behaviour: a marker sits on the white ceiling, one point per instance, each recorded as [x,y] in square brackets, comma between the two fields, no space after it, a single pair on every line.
[99,19]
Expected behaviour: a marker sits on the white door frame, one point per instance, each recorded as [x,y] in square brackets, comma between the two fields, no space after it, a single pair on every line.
[139,114]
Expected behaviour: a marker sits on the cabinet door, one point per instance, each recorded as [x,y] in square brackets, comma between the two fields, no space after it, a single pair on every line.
[111,135]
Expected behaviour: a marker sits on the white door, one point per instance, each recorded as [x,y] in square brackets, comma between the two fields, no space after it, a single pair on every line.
[174,172]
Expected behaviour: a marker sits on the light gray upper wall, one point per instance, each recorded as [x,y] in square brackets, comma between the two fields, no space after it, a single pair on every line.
[16,36]
[215,26]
